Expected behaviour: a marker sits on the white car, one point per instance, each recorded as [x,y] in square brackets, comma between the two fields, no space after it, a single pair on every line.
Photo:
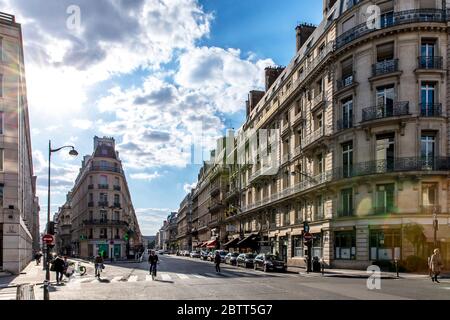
[160,251]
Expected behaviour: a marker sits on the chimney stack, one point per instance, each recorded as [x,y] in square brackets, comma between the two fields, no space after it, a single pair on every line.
[254,97]
[272,73]
[303,32]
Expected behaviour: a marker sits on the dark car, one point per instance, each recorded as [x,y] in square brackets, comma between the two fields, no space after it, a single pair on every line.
[245,260]
[269,262]
[230,258]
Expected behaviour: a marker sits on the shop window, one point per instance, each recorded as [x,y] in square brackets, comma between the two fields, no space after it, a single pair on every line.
[345,245]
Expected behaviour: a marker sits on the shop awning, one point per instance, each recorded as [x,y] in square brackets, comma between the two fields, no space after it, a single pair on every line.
[249,241]
[211,244]
[232,242]
[202,245]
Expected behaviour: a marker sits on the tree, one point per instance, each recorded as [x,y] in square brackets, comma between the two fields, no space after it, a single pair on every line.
[413,232]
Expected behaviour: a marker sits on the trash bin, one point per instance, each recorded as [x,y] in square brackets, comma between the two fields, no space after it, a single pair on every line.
[316,264]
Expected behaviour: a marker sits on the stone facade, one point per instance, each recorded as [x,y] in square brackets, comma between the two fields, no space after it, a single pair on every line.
[103,219]
[19,215]
[357,143]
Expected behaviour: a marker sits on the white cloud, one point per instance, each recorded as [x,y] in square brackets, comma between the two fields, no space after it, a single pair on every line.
[151,219]
[82,124]
[145,176]
[188,187]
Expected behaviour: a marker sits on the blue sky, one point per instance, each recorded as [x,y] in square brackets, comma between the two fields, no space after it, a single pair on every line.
[181,69]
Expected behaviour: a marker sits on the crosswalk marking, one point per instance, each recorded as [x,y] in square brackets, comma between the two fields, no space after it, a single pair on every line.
[182,276]
[92,281]
[132,278]
[199,276]
[165,276]
[116,279]
[8,294]
[148,277]
[212,275]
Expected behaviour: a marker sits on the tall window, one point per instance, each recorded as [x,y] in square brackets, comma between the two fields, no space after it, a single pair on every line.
[297,245]
[384,198]
[91,215]
[103,197]
[116,181]
[320,164]
[319,208]
[91,197]
[427,149]
[319,121]
[385,97]
[347,72]
[1,49]
[385,153]
[346,203]
[347,159]
[103,180]
[427,98]
[103,233]
[91,180]
[347,113]
[116,199]
[345,245]
[287,220]
[427,53]
[116,215]
[1,85]
[2,115]
[103,215]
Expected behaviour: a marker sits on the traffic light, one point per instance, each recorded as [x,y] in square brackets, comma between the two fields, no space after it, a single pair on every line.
[126,237]
[51,228]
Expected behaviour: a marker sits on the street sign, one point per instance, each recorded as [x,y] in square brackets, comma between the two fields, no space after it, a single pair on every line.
[48,239]
[307,236]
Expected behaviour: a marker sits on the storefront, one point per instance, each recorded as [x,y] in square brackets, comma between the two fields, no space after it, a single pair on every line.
[345,245]
[385,244]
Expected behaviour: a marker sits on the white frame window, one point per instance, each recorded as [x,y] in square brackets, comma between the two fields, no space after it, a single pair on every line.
[2,122]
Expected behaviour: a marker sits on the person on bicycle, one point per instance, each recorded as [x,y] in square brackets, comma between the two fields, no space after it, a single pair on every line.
[98,265]
[152,260]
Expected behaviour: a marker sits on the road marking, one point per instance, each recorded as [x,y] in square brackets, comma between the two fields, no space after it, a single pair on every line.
[199,276]
[116,279]
[132,278]
[92,281]
[165,276]
[182,276]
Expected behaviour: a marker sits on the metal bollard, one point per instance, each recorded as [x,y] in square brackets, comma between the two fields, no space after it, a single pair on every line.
[25,292]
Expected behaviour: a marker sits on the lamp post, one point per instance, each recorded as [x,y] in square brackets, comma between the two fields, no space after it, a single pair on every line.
[72,152]
[435,227]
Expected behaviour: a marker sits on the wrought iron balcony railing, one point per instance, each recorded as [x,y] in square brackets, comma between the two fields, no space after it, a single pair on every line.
[103,186]
[90,204]
[427,62]
[384,67]
[106,168]
[346,81]
[91,186]
[117,188]
[398,18]
[430,109]
[116,204]
[105,222]
[103,203]
[396,109]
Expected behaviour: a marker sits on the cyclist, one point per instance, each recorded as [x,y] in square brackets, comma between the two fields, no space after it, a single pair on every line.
[152,260]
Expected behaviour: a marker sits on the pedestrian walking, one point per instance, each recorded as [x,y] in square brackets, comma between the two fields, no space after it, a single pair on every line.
[58,267]
[37,257]
[217,261]
[435,265]
[98,263]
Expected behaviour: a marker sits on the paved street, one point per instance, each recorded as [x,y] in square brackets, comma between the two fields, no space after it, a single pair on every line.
[186,278]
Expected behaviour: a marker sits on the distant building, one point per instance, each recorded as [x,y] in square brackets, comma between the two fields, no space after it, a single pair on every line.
[103,219]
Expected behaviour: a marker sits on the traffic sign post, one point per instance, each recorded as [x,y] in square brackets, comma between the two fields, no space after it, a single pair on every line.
[307,238]
[48,239]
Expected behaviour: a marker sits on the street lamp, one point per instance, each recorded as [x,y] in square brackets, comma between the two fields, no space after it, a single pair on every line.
[435,226]
[74,153]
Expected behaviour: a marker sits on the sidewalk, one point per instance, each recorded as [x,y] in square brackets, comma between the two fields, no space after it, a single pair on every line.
[348,273]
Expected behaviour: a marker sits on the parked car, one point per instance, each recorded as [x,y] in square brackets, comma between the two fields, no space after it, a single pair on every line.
[160,251]
[204,255]
[230,258]
[267,262]
[245,260]
[211,255]
[195,254]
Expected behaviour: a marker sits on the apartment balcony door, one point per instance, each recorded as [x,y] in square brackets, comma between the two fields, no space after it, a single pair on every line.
[385,101]
[427,97]
[347,114]
[385,153]
[427,53]
[347,159]
[427,150]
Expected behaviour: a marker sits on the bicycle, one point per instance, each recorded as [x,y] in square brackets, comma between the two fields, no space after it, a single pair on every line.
[79,269]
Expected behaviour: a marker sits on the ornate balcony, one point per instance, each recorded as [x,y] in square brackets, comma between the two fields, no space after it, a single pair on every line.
[430,109]
[426,62]
[90,204]
[117,188]
[103,203]
[399,18]
[106,168]
[116,204]
[346,81]
[386,111]
[91,186]
[318,100]
[104,222]
[316,135]
[384,67]
[215,206]
[103,186]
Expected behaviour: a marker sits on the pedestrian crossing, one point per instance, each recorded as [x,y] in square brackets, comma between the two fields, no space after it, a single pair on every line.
[169,276]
